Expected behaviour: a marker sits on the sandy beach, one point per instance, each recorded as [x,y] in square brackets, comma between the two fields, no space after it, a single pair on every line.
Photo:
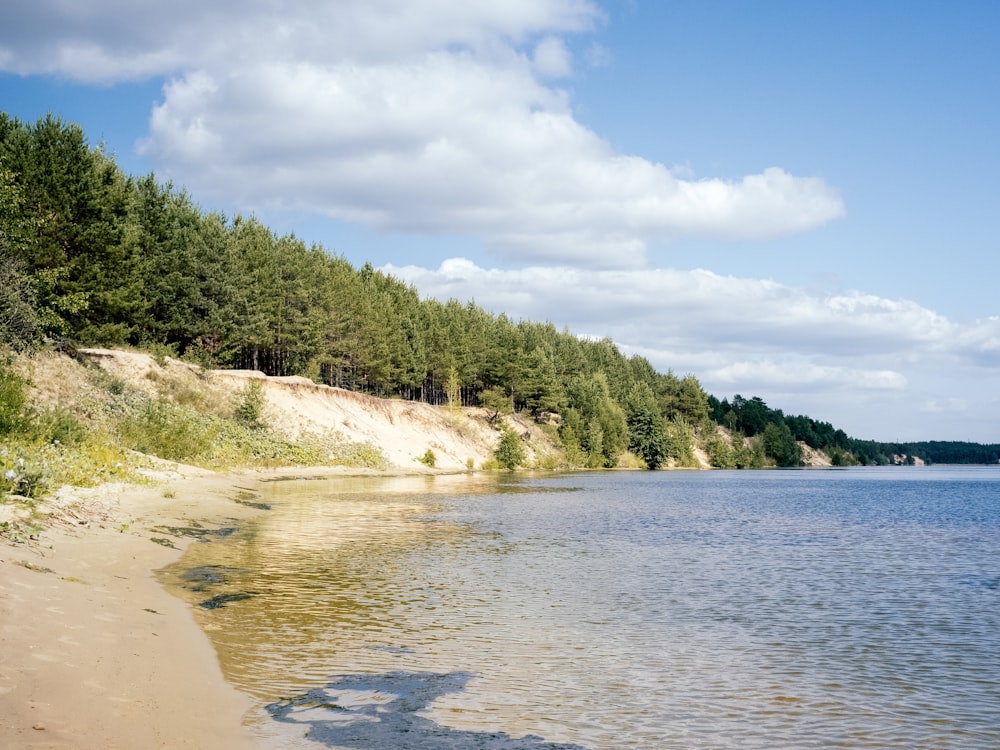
[95,653]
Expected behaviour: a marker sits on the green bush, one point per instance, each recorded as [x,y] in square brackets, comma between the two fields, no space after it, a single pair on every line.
[428,459]
[509,452]
[364,455]
[57,425]
[250,409]
[18,309]
[168,431]
[720,452]
[13,397]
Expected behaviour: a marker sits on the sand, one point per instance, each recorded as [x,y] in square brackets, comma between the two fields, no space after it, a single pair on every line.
[93,652]
[295,406]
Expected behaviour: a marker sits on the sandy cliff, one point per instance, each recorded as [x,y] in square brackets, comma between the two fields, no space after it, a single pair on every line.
[295,406]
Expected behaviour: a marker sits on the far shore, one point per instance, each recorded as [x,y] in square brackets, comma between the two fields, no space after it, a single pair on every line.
[96,654]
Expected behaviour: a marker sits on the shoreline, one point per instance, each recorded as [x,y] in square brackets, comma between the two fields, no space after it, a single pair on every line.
[96,653]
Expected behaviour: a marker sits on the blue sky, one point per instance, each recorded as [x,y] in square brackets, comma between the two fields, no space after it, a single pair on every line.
[791,200]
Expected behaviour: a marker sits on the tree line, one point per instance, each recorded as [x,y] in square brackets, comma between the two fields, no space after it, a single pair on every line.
[95,256]
[782,436]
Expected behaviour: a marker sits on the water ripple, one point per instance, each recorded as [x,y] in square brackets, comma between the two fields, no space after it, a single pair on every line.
[704,610]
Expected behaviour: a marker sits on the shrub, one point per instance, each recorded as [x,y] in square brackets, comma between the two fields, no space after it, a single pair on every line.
[720,452]
[428,459]
[56,425]
[169,431]
[13,397]
[364,455]
[509,452]
[18,310]
[250,410]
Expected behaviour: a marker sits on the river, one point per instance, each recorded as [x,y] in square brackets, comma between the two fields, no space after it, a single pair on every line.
[855,608]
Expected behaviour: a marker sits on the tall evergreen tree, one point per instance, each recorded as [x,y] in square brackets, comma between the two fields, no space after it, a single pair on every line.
[647,429]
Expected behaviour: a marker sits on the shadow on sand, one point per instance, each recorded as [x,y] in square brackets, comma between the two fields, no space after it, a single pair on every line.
[377,711]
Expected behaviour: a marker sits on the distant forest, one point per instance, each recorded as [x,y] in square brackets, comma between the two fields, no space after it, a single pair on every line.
[91,256]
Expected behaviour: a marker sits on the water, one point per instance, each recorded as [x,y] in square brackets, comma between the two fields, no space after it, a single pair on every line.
[852,609]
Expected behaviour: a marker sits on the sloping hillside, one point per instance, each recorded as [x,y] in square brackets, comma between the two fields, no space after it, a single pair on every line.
[296,407]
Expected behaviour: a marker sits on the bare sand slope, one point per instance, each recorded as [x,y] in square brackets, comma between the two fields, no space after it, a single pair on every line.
[403,430]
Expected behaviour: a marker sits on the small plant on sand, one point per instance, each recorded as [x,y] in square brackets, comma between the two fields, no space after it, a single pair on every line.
[345,452]
[428,459]
[13,398]
[169,431]
[250,409]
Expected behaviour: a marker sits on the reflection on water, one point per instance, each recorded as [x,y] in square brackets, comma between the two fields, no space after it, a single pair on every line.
[668,610]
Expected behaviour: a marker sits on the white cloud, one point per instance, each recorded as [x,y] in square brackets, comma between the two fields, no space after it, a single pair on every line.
[981,342]
[641,306]
[552,59]
[859,361]
[405,115]
[947,406]
[791,375]
[130,39]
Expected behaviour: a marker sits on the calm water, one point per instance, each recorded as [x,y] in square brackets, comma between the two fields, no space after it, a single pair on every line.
[854,609]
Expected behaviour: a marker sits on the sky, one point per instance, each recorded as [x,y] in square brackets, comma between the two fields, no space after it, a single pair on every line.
[791,200]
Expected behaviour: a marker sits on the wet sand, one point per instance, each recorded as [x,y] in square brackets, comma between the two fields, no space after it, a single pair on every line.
[93,652]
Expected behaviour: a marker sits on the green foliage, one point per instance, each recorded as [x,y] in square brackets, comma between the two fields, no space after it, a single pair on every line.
[569,434]
[454,391]
[32,468]
[595,423]
[13,399]
[18,316]
[428,459]
[747,452]
[720,452]
[779,444]
[23,477]
[647,429]
[250,408]
[55,425]
[496,403]
[548,462]
[680,442]
[349,453]
[510,453]
[16,224]
[840,457]
[161,352]
[169,431]
[93,255]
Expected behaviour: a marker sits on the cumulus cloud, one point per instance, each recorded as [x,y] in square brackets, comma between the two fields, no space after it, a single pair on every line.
[946,406]
[791,375]
[405,115]
[830,356]
[667,305]
[552,59]
[981,342]
[885,369]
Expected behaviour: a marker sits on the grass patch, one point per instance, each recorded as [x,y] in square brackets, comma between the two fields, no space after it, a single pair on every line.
[105,434]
